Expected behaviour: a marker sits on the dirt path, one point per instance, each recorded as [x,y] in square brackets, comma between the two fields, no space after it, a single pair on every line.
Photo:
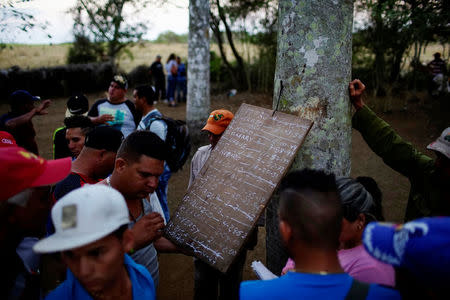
[176,271]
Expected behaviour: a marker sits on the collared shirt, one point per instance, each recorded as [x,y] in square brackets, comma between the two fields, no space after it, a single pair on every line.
[141,281]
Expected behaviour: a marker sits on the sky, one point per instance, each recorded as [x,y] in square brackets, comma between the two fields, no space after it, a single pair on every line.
[173,16]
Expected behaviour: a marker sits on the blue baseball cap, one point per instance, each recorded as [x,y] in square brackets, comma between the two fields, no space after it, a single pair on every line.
[422,246]
[22,96]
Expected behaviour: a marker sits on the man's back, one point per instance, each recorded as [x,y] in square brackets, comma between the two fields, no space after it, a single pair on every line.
[296,285]
[157,70]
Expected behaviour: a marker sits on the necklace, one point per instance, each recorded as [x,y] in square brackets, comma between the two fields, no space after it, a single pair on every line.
[317,272]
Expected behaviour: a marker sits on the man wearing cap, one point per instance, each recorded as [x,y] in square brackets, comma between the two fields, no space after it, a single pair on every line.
[419,250]
[310,220]
[18,121]
[143,98]
[216,124]
[138,166]
[157,71]
[77,105]
[93,237]
[210,283]
[25,181]
[429,194]
[121,110]
[6,139]
[95,162]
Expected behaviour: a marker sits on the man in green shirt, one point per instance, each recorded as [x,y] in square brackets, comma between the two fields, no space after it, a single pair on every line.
[429,194]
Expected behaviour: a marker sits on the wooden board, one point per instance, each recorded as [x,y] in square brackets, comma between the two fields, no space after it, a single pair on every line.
[235,184]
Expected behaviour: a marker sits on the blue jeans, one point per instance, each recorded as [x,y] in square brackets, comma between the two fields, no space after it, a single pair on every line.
[181,88]
[171,86]
[161,190]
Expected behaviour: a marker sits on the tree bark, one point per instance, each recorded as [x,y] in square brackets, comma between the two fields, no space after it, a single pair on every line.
[314,66]
[198,98]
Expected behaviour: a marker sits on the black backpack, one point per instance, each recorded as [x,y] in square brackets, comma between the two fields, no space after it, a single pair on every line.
[177,140]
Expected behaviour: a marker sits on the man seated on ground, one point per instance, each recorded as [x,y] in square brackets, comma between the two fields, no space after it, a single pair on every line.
[76,129]
[429,178]
[116,110]
[25,181]
[144,97]
[95,162]
[93,238]
[77,105]
[18,121]
[310,225]
[138,166]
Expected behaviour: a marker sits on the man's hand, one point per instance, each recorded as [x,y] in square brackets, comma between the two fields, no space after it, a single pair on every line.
[42,108]
[102,119]
[356,89]
[147,229]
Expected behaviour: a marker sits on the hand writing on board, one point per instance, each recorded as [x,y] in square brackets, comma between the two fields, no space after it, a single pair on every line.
[147,229]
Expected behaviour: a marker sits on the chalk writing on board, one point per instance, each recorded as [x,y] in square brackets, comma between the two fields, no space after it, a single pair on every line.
[232,189]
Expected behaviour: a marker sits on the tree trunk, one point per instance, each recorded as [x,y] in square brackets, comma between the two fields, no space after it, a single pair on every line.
[198,100]
[314,65]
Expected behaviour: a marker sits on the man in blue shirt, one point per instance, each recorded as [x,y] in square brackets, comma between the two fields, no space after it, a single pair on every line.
[310,224]
[93,237]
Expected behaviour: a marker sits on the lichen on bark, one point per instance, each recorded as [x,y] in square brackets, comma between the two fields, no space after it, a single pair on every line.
[314,64]
[198,99]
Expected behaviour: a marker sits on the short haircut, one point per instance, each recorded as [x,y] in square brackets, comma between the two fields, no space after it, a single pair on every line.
[147,92]
[140,143]
[104,138]
[355,200]
[310,204]
[79,121]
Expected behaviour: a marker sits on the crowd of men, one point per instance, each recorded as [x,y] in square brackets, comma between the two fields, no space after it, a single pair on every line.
[99,208]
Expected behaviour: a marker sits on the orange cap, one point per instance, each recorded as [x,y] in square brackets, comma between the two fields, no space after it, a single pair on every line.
[218,121]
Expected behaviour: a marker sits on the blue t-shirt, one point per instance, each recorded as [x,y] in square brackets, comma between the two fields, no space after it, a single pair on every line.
[141,281]
[295,285]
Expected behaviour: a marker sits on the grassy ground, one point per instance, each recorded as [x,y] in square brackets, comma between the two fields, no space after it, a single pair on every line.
[176,271]
[35,56]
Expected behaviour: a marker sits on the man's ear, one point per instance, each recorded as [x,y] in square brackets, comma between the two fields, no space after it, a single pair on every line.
[120,164]
[127,240]
[285,231]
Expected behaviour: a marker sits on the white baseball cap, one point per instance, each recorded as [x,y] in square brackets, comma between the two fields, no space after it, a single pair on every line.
[442,144]
[83,216]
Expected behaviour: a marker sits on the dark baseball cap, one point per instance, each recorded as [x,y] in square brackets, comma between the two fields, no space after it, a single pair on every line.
[104,138]
[121,81]
[22,96]
[77,104]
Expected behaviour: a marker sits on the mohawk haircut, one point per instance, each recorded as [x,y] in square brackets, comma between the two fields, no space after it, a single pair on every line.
[310,204]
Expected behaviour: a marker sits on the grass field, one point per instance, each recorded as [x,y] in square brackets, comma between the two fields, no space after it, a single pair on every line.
[35,56]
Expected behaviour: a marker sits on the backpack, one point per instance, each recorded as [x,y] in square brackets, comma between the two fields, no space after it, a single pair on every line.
[177,140]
